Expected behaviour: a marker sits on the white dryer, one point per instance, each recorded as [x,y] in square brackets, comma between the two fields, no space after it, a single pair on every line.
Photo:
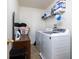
[55,44]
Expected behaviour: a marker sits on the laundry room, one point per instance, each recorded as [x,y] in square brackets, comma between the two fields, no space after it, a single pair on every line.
[39,29]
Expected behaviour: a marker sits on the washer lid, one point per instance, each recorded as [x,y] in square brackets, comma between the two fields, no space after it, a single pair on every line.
[55,31]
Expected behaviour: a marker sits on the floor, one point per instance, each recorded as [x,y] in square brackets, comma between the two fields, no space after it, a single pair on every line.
[34,53]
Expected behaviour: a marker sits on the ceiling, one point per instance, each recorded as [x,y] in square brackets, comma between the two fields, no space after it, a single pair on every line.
[41,4]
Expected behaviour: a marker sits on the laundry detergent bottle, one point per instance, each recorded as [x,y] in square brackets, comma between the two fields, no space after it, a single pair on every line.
[58,18]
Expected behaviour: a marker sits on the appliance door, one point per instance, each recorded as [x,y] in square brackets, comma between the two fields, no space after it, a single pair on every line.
[46,47]
[62,47]
[38,40]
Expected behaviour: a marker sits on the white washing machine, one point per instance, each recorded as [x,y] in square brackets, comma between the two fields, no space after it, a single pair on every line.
[55,44]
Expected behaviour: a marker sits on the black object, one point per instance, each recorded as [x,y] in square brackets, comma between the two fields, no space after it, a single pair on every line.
[23,25]
[17,53]
[13,18]
[50,38]
[35,43]
[17,25]
[44,16]
[20,24]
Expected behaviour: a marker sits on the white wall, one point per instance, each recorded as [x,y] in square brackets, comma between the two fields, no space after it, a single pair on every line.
[12,5]
[32,17]
[67,16]
[68,20]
